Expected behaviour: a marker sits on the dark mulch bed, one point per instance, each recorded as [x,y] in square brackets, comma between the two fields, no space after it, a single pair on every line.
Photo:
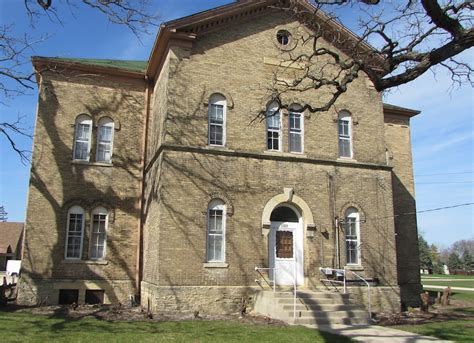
[122,313]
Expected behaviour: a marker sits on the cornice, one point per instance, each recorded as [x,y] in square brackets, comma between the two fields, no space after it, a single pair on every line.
[262,156]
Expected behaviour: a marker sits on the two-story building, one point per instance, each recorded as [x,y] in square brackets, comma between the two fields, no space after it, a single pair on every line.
[157,179]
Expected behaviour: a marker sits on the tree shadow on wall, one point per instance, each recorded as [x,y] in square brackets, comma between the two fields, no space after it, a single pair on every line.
[57,183]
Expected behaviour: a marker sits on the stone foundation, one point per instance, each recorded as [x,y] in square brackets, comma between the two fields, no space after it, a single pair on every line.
[46,292]
[205,299]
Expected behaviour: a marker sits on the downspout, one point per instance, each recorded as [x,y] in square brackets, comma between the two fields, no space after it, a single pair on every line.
[139,270]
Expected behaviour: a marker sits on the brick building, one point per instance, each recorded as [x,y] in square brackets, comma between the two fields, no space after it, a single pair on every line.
[154,179]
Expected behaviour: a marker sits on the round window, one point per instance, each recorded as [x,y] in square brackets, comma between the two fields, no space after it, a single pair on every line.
[283,37]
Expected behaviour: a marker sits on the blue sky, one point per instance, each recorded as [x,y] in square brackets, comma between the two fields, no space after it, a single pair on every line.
[442,135]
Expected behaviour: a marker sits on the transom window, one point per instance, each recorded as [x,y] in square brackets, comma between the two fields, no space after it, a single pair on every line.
[217,114]
[345,135]
[82,138]
[295,134]
[352,233]
[216,231]
[99,233]
[273,127]
[105,135]
[74,233]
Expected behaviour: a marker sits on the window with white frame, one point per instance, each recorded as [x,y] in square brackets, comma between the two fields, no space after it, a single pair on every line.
[295,127]
[217,118]
[273,126]
[98,233]
[74,233]
[352,233]
[82,138]
[216,218]
[345,134]
[105,137]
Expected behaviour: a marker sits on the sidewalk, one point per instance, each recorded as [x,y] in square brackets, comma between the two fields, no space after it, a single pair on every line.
[374,333]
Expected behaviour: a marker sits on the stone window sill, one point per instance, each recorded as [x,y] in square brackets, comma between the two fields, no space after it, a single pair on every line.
[98,262]
[218,147]
[354,267]
[284,153]
[95,164]
[346,159]
[216,265]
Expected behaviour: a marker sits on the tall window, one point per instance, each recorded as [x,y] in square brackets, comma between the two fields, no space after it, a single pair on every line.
[105,136]
[216,231]
[295,134]
[345,135]
[352,232]
[74,233]
[273,127]
[217,113]
[82,138]
[99,233]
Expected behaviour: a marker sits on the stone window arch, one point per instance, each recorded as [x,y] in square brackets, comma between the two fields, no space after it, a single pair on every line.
[217,109]
[82,138]
[105,139]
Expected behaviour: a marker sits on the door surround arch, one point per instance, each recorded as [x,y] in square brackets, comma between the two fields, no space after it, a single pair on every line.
[290,198]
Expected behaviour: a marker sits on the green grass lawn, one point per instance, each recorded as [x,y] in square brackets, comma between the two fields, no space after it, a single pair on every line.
[441,276]
[459,330]
[453,330]
[463,296]
[434,282]
[26,327]
[456,295]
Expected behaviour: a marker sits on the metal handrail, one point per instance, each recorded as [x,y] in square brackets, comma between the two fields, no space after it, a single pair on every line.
[344,271]
[368,290]
[275,271]
[258,269]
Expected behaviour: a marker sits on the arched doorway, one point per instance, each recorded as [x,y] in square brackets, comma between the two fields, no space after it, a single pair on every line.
[285,246]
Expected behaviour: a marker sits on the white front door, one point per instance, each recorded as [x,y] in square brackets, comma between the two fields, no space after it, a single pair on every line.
[286,253]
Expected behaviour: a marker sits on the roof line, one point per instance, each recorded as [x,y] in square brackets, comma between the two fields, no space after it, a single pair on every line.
[78,65]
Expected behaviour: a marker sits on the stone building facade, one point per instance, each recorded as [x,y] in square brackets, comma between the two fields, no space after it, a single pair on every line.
[158,180]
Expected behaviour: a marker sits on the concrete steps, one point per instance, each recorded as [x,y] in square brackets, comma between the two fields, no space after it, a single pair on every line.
[314,308]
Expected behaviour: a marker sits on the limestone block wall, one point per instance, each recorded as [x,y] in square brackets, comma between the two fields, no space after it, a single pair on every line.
[240,61]
[208,300]
[57,182]
[189,180]
[397,137]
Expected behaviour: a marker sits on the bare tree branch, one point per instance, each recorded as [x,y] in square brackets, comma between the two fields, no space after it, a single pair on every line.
[412,37]
[16,77]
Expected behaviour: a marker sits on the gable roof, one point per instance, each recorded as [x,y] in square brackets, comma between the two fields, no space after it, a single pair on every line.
[10,235]
[187,28]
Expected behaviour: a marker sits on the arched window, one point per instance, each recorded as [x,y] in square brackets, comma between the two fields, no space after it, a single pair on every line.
[82,138]
[216,219]
[74,233]
[217,118]
[100,218]
[352,233]
[345,134]
[105,137]
[295,128]
[273,127]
